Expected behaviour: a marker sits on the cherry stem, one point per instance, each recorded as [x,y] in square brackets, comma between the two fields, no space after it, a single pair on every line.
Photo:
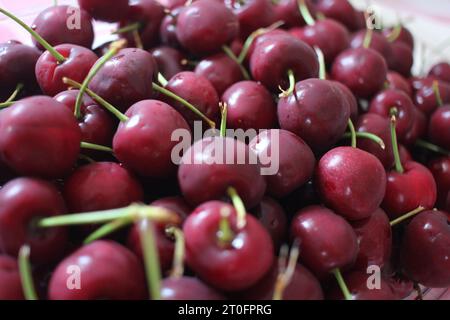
[86,158]
[187,104]
[368,38]
[25,274]
[178,256]
[239,207]
[407,216]
[432,147]
[11,98]
[437,93]
[122,117]
[322,68]
[225,235]
[151,257]
[223,118]
[107,229]
[114,48]
[285,273]
[398,163]
[6,104]
[93,146]
[233,57]
[342,284]
[162,80]
[137,39]
[128,28]
[286,93]
[58,56]
[305,13]
[395,33]
[352,133]
[367,135]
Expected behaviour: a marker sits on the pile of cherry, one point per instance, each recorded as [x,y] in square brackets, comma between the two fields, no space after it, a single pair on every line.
[93,207]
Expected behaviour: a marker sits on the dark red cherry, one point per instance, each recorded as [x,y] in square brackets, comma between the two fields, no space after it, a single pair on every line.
[259,39]
[126,78]
[270,64]
[418,129]
[24,201]
[402,60]
[288,157]
[64,24]
[47,133]
[440,168]
[188,288]
[441,71]
[398,82]
[405,155]
[168,60]
[168,28]
[317,111]
[425,249]
[236,265]
[439,127]
[362,70]
[104,11]
[204,26]
[425,97]
[377,42]
[351,100]
[288,12]
[220,70]
[11,288]
[417,83]
[213,164]
[405,36]
[351,181]
[340,10]
[250,106]
[172,4]
[327,241]
[408,190]
[143,143]
[101,266]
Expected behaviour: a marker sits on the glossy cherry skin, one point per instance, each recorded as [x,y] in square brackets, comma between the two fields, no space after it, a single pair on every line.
[418,130]
[220,70]
[375,240]
[103,10]
[402,60]
[149,13]
[441,71]
[351,100]
[168,60]
[101,186]
[317,111]
[440,168]
[272,216]
[143,143]
[378,43]
[295,160]
[438,128]
[405,155]
[126,78]
[47,133]
[362,70]
[96,124]
[405,36]
[408,190]
[327,241]
[205,173]
[11,288]
[351,181]
[168,29]
[188,288]
[103,265]
[250,106]
[198,91]
[328,35]
[425,97]
[385,100]
[24,200]
[172,4]
[288,12]
[380,126]
[205,26]
[269,63]
[233,267]
[398,82]
[340,10]
[425,249]
[53,23]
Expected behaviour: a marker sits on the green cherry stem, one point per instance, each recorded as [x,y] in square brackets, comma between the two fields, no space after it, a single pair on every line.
[129,28]
[407,216]
[398,162]
[86,158]
[137,39]
[162,80]
[178,256]
[367,135]
[11,98]
[58,56]
[233,57]
[305,12]
[107,229]
[93,146]
[290,90]
[352,133]
[6,104]
[432,147]
[322,67]
[225,234]
[437,93]
[342,284]
[395,33]
[239,207]
[286,273]
[223,118]
[368,38]
[25,274]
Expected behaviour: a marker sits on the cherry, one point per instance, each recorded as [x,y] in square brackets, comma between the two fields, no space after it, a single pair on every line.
[402,59]
[441,71]
[206,171]
[169,60]
[377,42]
[104,11]
[220,70]
[269,63]
[236,264]
[398,82]
[438,128]
[204,26]
[11,288]
[287,11]
[47,133]
[24,200]
[295,160]
[143,142]
[375,240]
[418,129]
[340,10]
[126,78]
[53,24]
[351,100]
[327,241]
[95,123]
[168,28]
[426,248]
[250,106]
[404,35]
[426,98]
[172,4]
[188,288]
[351,181]
[417,83]
[440,168]
[261,38]
[404,154]
[362,70]
[307,112]
[102,265]
[198,91]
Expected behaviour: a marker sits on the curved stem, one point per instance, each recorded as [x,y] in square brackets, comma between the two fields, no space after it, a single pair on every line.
[367,135]
[86,158]
[432,147]
[11,98]
[25,274]
[223,118]
[233,57]
[58,56]
[437,93]
[342,285]
[322,67]
[151,258]
[352,133]
[285,273]
[225,235]
[107,229]
[137,39]
[290,90]
[407,216]
[163,81]
[239,206]
[395,33]
[368,38]
[6,104]
[398,162]
[305,12]
[178,256]
[128,28]
[93,146]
